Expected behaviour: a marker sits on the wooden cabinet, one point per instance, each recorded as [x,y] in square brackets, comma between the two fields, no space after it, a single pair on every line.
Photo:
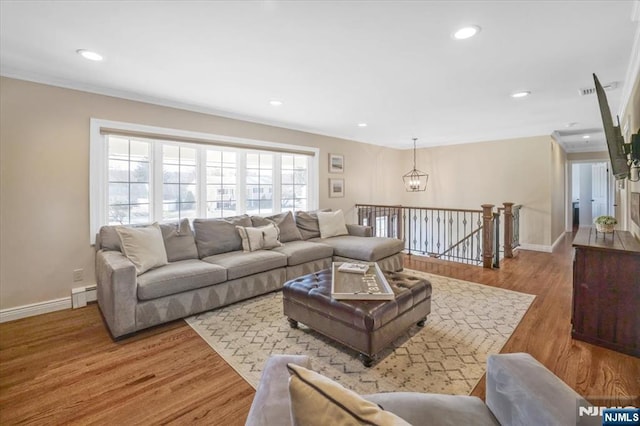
[606,290]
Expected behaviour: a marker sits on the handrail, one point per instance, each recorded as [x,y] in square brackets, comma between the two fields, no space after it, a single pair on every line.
[421,208]
[458,243]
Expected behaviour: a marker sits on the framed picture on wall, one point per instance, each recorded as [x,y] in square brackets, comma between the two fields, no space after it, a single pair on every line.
[336,163]
[336,188]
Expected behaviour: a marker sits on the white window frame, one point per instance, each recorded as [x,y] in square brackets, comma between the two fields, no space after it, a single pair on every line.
[98,167]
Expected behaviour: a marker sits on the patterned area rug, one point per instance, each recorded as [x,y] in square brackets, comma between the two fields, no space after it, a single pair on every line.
[468,322]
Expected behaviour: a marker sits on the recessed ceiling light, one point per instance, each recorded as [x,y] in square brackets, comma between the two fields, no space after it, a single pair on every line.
[466,32]
[88,54]
[520,94]
[586,137]
[275,102]
[362,124]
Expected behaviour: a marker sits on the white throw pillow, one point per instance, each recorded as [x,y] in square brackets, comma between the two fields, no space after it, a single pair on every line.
[332,224]
[143,246]
[258,238]
[317,400]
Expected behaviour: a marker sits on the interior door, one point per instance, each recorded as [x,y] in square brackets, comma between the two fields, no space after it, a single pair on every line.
[599,189]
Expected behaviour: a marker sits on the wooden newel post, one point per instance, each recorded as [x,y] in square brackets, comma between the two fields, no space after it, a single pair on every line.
[508,229]
[487,236]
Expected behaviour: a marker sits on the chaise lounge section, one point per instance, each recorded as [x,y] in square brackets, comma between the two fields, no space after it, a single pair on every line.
[207,266]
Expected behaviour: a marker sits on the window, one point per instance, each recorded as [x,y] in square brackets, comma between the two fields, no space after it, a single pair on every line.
[294,182]
[221,183]
[140,178]
[128,182]
[179,187]
[259,183]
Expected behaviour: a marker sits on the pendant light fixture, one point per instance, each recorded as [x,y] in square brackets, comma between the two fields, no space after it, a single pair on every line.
[415,180]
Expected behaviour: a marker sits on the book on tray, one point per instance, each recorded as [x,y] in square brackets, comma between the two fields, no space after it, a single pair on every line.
[355,268]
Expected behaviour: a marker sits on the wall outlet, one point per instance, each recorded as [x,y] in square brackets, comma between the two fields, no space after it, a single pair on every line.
[78,275]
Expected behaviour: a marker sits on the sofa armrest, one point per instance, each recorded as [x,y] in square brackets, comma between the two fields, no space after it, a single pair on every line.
[117,291]
[521,391]
[271,405]
[359,230]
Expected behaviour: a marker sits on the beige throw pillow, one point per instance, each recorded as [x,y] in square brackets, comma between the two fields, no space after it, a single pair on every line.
[143,246]
[332,224]
[258,238]
[317,400]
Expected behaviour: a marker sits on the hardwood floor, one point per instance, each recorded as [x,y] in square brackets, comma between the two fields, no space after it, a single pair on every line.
[64,367]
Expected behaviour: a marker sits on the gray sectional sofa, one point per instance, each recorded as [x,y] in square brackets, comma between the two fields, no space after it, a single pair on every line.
[207,267]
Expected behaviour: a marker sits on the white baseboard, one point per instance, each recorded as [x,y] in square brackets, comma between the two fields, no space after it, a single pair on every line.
[33,309]
[535,247]
[557,241]
[542,247]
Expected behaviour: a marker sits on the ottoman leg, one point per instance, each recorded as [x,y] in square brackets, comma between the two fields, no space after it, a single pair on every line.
[366,360]
[422,322]
[293,323]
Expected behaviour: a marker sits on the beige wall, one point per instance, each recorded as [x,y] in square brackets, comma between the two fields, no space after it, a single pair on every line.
[632,113]
[558,190]
[44,192]
[469,175]
[44,179]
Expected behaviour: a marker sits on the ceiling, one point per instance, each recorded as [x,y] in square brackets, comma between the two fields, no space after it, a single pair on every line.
[391,64]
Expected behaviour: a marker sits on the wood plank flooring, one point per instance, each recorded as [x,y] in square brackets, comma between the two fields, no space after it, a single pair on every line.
[64,368]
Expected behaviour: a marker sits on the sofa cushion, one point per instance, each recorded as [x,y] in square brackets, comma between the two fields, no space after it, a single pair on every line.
[307,223]
[332,224]
[179,241]
[370,249]
[318,400]
[288,229]
[299,252]
[215,236]
[240,264]
[259,238]
[177,277]
[435,409]
[143,246]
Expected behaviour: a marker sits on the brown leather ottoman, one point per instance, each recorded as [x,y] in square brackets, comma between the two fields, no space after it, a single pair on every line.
[366,326]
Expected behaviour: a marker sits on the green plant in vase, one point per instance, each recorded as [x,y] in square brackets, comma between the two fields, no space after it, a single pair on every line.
[605,223]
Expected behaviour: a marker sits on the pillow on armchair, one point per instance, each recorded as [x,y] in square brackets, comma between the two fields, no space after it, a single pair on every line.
[317,400]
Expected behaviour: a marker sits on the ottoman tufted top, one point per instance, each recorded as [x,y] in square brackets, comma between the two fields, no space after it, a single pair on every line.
[314,292]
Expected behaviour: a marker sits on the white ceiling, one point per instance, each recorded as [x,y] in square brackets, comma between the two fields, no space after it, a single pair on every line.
[391,64]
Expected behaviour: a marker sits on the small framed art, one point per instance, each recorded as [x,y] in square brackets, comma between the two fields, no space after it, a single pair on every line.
[336,188]
[336,163]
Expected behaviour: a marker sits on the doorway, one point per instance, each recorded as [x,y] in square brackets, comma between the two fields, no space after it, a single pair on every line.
[590,192]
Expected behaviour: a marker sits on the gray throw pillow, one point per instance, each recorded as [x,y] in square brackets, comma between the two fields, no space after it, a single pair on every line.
[179,241]
[285,222]
[215,236]
[307,223]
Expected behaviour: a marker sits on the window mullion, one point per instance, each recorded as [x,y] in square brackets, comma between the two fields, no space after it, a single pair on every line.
[276,183]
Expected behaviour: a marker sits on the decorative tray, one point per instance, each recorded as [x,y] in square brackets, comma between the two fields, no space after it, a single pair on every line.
[371,285]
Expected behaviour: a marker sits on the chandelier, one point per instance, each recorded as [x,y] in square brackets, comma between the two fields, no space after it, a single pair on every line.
[415,180]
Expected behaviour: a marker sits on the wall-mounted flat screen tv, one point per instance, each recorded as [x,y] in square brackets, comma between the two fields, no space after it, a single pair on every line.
[615,141]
